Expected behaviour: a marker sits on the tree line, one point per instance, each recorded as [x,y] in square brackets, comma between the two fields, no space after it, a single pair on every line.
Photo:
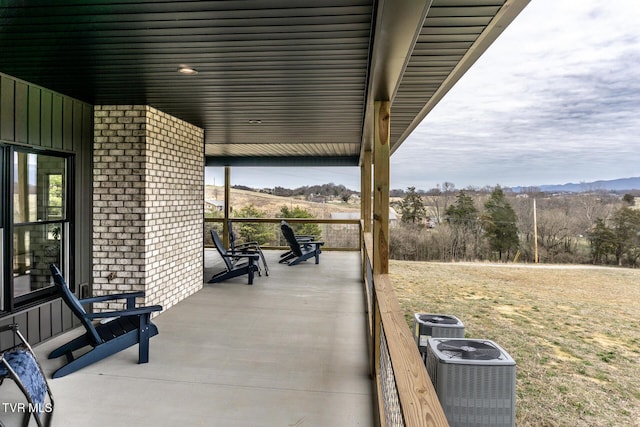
[309,192]
[454,225]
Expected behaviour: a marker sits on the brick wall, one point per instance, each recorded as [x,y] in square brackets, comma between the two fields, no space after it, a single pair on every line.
[148,193]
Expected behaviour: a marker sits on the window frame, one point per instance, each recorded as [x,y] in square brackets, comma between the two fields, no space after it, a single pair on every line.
[4,208]
[10,302]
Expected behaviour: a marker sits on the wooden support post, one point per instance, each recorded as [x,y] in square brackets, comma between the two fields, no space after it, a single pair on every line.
[227,206]
[365,191]
[381,154]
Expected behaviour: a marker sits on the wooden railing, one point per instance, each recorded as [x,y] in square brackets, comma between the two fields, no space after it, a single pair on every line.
[338,234]
[404,393]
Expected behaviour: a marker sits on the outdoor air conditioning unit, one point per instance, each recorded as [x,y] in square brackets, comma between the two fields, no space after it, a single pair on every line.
[427,326]
[475,381]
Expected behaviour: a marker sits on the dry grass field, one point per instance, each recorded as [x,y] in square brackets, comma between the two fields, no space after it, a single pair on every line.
[271,204]
[574,332]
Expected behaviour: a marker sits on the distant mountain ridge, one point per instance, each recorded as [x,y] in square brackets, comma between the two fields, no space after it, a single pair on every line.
[622,184]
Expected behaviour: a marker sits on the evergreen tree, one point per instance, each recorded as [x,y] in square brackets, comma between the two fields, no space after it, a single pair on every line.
[463,211]
[626,228]
[603,242]
[412,207]
[304,229]
[253,232]
[621,238]
[500,223]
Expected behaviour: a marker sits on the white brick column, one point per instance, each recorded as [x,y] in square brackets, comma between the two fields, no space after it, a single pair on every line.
[148,204]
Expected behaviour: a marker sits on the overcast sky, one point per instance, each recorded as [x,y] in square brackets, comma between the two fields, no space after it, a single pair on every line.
[555,99]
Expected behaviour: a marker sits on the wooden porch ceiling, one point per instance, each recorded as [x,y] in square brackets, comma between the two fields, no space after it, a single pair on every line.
[279,81]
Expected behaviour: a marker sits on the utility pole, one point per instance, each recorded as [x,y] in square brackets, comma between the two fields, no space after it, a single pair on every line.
[535,233]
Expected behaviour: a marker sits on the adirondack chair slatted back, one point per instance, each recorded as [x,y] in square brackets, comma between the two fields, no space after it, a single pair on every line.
[232,237]
[289,235]
[72,302]
[223,252]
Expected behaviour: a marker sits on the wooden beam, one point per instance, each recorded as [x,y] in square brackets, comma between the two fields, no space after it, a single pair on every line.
[381,155]
[397,26]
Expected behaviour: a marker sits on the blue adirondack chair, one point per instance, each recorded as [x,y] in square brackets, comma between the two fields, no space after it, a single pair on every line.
[301,250]
[118,330]
[248,265]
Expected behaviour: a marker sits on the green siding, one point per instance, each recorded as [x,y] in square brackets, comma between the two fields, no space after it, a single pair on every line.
[45,321]
[38,323]
[7,98]
[37,117]
[56,122]
[76,118]
[21,123]
[46,106]
[68,121]
[34,116]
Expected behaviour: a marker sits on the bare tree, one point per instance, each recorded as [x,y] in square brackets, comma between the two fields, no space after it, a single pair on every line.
[439,199]
[523,206]
[555,234]
[593,205]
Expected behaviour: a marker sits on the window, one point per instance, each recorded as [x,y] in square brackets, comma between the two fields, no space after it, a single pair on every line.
[37,222]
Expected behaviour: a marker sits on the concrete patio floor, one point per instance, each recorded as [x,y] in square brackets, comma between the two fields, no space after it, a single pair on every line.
[288,351]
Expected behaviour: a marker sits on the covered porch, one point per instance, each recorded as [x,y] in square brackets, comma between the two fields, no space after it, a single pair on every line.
[291,350]
[139,97]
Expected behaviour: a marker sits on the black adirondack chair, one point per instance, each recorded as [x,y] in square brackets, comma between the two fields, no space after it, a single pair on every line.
[248,264]
[301,250]
[118,330]
[246,247]
[301,238]
[19,364]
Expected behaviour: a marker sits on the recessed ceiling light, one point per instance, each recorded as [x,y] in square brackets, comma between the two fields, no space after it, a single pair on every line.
[255,122]
[188,71]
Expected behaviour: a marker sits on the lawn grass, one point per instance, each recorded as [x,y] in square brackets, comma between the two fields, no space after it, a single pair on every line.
[574,332]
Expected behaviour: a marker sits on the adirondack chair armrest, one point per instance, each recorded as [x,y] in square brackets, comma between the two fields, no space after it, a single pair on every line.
[241,246]
[250,256]
[129,296]
[129,312]
[305,237]
[241,251]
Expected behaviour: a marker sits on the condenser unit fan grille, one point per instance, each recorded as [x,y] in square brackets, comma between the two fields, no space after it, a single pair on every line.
[438,318]
[470,350]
